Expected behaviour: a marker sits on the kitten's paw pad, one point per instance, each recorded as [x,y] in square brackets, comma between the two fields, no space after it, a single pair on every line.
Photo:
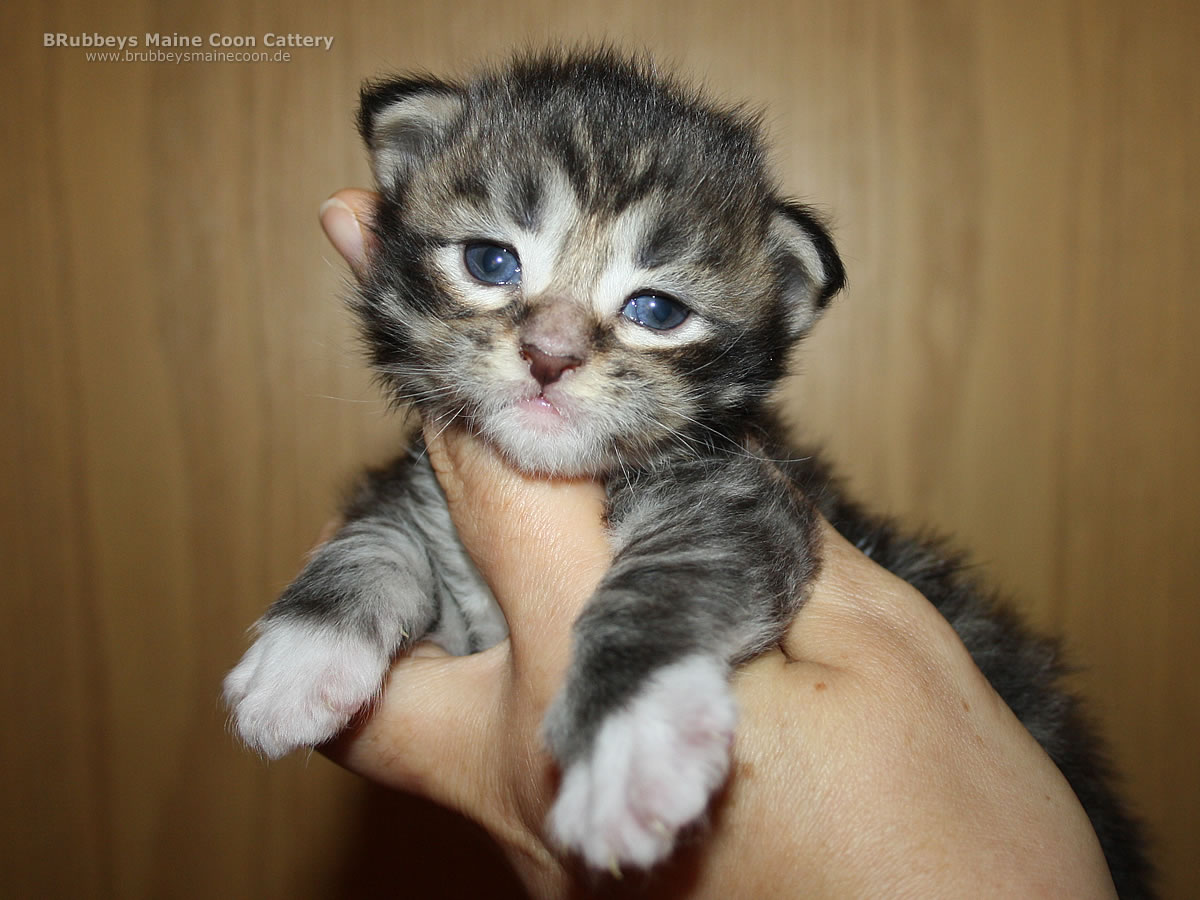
[651,770]
[299,685]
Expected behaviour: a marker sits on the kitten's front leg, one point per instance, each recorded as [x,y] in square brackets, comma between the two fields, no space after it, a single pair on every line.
[651,766]
[324,646]
[712,562]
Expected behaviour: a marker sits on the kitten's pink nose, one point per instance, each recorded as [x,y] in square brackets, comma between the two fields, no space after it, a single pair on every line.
[545,367]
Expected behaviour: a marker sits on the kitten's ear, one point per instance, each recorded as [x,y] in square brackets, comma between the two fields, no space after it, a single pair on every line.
[403,120]
[810,266]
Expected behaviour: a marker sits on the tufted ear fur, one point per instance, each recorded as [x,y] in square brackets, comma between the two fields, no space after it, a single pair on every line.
[809,265]
[403,120]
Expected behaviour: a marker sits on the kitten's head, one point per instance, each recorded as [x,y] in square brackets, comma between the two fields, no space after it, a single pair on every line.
[582,260]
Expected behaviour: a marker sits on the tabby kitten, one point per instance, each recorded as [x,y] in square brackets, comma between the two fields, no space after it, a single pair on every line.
[590,266]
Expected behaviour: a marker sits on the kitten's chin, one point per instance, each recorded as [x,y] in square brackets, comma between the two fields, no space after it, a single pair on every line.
[538,438]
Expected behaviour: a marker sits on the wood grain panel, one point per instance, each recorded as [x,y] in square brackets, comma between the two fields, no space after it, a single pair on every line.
[1015,192]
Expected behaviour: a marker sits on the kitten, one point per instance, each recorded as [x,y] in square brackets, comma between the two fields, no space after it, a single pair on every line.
[590,266]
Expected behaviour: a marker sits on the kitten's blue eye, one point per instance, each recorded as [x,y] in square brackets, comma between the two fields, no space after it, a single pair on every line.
[492,264]
[654,311]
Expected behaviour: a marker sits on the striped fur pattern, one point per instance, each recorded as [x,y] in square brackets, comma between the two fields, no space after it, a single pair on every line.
[593,189]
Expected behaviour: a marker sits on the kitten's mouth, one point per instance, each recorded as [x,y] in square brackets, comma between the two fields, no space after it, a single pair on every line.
[539,403]
[540,410]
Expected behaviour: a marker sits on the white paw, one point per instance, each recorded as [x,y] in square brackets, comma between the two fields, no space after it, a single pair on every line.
[651,771]
[299,685]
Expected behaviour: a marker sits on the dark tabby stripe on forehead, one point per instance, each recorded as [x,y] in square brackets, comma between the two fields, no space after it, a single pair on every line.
[470,186]
[664,243]
[629,190]
[565,150]
[524,199]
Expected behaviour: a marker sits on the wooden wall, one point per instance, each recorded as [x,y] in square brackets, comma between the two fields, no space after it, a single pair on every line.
[1016,194]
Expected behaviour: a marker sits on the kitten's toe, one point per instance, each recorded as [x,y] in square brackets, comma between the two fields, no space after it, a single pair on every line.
[300,684]
[652,769]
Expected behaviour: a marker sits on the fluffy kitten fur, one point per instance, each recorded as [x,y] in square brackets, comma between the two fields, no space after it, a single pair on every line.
[606,182]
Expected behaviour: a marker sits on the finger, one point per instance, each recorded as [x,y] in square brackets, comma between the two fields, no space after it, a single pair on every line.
[451,729]
[539,542]
[346,218]
[430,731]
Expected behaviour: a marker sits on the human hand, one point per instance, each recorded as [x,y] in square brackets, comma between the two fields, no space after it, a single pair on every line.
[872,758]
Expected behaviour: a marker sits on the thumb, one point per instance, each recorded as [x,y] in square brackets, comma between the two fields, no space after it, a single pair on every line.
[539,542]
[346,219]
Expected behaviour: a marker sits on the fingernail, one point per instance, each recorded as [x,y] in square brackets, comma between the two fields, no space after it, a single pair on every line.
[343,230]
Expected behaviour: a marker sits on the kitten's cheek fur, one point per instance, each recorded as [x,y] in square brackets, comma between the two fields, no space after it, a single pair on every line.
[651,770]
[299,685]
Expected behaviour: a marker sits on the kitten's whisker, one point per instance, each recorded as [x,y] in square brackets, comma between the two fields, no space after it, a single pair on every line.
[374,400]
[448,423]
